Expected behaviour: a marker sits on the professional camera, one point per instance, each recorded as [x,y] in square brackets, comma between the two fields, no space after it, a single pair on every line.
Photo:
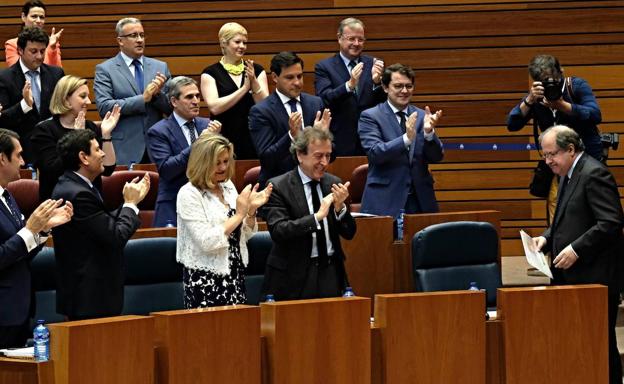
[553,89]
[609,140]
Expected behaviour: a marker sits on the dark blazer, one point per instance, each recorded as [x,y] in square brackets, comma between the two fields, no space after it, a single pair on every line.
[15,285]
[12,82]
[291,226]
[89,252]
[589,216]
[330,76]
[390,174]
[268,124]
[169,149]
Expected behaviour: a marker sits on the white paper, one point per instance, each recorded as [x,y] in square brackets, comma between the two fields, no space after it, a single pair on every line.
[535,258]
[18,352]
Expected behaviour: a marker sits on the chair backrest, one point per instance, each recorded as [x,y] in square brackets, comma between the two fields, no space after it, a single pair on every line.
[259,247]
[153,276]
[251,176]
[449,256]
[43,269]
[26,193]
[112,187]
[356,188]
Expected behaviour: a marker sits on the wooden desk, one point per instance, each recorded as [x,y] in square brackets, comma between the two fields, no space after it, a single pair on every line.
[19,371]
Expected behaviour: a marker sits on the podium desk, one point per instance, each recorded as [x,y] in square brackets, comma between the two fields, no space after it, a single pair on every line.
[554,334]
[317,341]
[103,351]
[20,371]
[430,338]
[208,345]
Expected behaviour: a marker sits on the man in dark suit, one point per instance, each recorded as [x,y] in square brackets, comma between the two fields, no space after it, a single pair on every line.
[20,242]
[400,142]
[349,82]
[26,87]
[136,83]
[585,236]
[275,121]
[169,144]
[89,249]
[306,216]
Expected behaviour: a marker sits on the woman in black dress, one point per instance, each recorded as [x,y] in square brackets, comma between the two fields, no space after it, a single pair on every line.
[232,86]
[69,106]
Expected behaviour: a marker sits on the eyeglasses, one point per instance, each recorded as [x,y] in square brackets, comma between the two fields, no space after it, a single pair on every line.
[353,39]
[399,87]
[550,155]
[318,156]
[134,36]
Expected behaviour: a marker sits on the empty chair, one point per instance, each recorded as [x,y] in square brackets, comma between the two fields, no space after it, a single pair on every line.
[251,176]
[26,193]
[112,187]
[449,256]
[44,284]
[356,188]
[258,246]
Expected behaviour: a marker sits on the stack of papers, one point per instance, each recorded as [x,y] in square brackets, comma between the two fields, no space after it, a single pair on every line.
[19,353]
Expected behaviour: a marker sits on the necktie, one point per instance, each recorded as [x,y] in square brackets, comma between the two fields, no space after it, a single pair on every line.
[562,188]
[13,208]
[138,74]
[402,122]
[190,125]
[293,105]
[352,65]
[321,241]
[34,87]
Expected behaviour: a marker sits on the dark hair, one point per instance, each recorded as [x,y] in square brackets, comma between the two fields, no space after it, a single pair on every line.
[175,86]
[305,137]
[70,146]
[6,144]
[284,60]
[32,4]
[398,68]
[33,34]
[544,64]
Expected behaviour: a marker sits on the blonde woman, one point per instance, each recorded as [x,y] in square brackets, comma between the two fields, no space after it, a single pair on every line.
[214,224]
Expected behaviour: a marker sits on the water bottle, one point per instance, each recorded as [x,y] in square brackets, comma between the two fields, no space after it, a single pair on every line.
[41,335]
[348,292]
[33,171]
[399,223]
[473,286]
[269,298]
[131,166]
[169,224]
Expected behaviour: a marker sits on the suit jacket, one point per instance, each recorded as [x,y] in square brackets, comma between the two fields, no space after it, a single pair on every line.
[89,252]
[268,124]
[169,149]
[330,77]
[16,298]
[115,84]
[589,217]
[390,173]
[291,226]
[12,82]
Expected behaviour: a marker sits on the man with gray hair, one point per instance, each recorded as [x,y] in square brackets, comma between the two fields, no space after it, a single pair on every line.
[306,215]
[135,82]
[349,82]
[585,235]
[169,144]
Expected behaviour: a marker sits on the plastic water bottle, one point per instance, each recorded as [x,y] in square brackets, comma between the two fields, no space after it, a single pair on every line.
[473,286]
[399,222]
[348,292]
[41,335]
[269,298]
[131,166]
[169,224]
[33,171]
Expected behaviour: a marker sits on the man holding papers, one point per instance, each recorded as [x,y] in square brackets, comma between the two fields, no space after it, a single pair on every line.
[585,234]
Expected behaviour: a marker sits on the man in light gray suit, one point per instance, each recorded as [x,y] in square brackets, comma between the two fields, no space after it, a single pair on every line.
[135,82]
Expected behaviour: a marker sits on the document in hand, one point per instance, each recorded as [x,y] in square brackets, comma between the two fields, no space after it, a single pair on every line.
[535,258]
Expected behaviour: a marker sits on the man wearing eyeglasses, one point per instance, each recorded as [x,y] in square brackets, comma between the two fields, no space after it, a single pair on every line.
[585,235]
[400,142]
[136,83]
[349,82]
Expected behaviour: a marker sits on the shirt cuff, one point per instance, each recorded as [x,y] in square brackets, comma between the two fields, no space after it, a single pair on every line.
[318,225]
[575,254]
[429,136]
[343,211]
[132,206]
[25,107]
[348,88]
[31,240]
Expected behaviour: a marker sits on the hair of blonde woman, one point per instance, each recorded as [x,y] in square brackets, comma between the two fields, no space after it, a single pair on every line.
[228,31]
[63,90]
[202,163]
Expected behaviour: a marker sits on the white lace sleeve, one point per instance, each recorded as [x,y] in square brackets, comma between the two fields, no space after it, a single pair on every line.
[201,222]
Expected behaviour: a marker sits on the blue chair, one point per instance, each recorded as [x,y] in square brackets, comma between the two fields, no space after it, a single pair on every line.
[449,256]
[259,247]
[43,268]
[153,276]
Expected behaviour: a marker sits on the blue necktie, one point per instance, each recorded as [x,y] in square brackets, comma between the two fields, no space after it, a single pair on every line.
[190,125]
[293,105]
[13,208]
[34,87]
[138,74]
[352,65]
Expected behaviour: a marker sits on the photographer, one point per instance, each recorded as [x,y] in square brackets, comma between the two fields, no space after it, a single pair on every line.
[557,100]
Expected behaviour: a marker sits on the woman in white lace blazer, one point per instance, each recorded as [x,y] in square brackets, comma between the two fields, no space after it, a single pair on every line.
[214,224]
